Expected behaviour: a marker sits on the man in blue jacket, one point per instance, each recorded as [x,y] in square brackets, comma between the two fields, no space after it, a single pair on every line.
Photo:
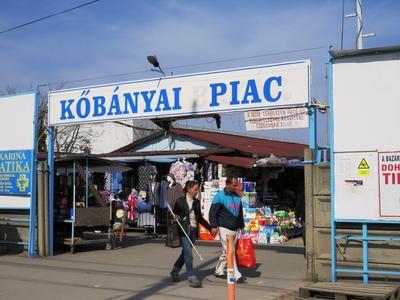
[226,216]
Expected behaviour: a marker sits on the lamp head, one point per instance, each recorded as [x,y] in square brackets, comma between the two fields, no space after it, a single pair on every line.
[153,60]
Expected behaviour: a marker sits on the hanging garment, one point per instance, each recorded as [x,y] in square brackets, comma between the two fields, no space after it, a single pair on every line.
[179,170]
[132,202]
[163,193]
[144,173]
[108,182]
[145,219]
[116,181]
[207,170]
[153,193]
[189,171]
[174,192]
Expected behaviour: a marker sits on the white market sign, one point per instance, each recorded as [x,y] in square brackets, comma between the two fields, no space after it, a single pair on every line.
[283,118]
[17,150]
[389,184]
[260,87]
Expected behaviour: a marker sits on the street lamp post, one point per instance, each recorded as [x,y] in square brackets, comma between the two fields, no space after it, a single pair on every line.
[154,61]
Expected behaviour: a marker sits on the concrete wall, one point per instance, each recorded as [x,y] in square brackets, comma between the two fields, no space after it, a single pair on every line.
[382,255]
[13,231]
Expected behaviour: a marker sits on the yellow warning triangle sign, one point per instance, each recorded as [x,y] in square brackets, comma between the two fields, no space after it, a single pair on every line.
[363,164]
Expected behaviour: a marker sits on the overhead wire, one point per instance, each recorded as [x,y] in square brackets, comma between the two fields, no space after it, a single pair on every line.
[49,16]
[193,65]
[248,57]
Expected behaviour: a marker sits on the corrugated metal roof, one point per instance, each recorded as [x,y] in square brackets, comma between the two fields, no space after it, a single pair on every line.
[231,149]
[257,146]
[245,162]
[200,153]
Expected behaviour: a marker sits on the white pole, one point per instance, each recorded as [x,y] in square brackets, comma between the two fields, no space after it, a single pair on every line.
[359,25]
[180,225]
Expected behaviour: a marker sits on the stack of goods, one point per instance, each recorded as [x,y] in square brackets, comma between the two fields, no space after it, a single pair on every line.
[258,224]
[249,199]
[265,227]
[221,183]
[249,186]
[210,189]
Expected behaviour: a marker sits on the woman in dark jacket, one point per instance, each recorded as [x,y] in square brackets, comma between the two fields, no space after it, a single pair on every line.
[187,211]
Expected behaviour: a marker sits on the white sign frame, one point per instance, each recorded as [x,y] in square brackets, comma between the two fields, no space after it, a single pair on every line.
[259,87]
[360,125]
[22,137]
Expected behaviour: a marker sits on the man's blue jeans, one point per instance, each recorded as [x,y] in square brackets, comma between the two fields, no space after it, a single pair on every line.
[186,256]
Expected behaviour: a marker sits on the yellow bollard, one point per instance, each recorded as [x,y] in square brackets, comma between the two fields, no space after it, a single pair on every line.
[230,271]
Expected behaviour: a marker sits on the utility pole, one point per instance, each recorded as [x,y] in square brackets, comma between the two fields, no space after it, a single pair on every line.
[360,35]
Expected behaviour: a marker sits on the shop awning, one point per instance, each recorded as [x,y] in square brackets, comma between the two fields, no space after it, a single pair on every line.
[244,162]
[94,163]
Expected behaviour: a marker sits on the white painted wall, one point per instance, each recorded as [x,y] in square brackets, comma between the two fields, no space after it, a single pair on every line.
[109,136]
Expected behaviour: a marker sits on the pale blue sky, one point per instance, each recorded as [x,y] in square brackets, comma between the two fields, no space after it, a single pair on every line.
[114,37]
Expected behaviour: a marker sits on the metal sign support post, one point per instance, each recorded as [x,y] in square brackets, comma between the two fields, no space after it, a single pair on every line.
[332,173]
[50,160]
[313,128]
[32,209]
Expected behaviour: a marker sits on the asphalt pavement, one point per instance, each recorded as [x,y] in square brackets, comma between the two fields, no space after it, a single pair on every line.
[140,270]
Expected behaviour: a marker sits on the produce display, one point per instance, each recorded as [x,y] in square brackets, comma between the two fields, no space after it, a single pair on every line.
[265,227]
[262,225]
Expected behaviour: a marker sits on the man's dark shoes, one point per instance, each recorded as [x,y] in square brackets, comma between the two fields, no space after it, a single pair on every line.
[174,276]
[222,276]
[241,280]
[195,283]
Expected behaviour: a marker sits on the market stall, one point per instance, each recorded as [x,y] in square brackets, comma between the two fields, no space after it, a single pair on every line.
[268,220]
[209,157]
[82,210]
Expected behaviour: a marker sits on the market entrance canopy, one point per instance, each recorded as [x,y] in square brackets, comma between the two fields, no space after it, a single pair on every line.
[250,88]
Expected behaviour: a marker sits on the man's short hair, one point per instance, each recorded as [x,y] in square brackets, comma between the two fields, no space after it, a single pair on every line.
[229,179]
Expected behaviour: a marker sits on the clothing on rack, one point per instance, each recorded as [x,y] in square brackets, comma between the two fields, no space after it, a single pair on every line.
[145,171]
[209,171]
[174,192]
[116,181]
[163,193]
[108,182]
[142,205]
[145,219]
[153,193]
[178,168]
[183,171]
[132,202]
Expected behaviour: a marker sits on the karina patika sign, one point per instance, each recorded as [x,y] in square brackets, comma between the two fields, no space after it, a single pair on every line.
[15,172]
[259,87]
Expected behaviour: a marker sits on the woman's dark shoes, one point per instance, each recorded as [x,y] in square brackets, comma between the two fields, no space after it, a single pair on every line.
[241,280]
[174,276]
